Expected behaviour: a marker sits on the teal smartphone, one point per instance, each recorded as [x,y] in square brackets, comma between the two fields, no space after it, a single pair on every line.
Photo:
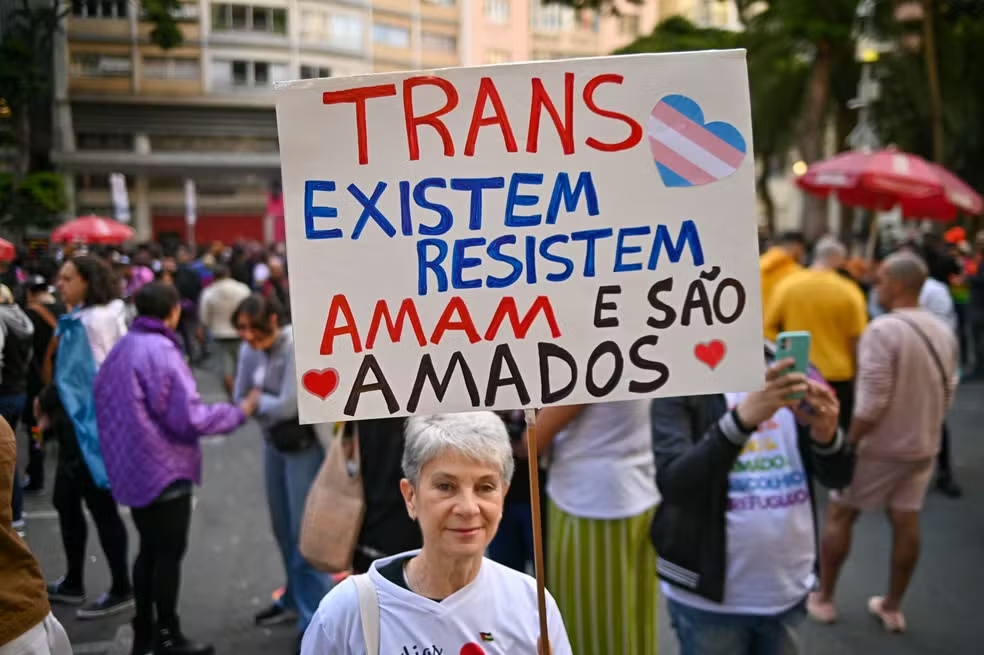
[797,346]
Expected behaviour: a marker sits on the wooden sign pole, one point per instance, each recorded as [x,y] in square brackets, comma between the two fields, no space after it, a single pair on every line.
[538,559]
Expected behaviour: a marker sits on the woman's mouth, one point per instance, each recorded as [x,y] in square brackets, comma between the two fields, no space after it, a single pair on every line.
[465,532]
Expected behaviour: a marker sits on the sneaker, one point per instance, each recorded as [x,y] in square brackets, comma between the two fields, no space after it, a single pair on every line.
[18,527]
[31,487]
[172,642]
[819,610]
[143,639]
[948,487]
[59,592]
[275,614]
[106,605]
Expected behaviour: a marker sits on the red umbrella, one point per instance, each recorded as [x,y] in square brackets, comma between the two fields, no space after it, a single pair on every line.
[7,251]
[889,178]
[92,229]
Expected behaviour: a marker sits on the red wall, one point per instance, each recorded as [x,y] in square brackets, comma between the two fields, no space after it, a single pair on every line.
[225,228]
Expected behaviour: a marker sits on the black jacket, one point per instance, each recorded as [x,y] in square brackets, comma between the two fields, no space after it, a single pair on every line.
[696,442]
[387,529]
[16,349]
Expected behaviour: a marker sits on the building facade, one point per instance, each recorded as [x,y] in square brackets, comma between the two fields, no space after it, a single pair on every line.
[204,111]
[522,30]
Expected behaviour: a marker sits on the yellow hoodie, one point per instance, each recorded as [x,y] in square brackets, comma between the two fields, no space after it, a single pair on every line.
[774,266]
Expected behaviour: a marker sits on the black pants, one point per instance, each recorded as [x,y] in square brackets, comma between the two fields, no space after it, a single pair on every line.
[977,339]
[163,528]
[35,446]
[944,466]
[844,390]
[73,485]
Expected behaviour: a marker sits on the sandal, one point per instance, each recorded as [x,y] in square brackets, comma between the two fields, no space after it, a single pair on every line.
[820,611]
[892,621]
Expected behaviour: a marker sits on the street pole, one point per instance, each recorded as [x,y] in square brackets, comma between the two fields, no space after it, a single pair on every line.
[864,136]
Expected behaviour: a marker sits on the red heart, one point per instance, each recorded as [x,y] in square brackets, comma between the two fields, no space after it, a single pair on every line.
[472,649]
[321,382]
[711,353]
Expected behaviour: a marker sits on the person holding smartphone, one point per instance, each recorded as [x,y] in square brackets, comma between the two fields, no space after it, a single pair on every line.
[735,533]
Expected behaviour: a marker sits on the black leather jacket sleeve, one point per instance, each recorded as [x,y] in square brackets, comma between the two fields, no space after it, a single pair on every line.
[690,472]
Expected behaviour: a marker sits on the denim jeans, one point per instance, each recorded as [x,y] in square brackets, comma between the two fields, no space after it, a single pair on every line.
[710,633]
[288,479]
[12,408]
[512,545]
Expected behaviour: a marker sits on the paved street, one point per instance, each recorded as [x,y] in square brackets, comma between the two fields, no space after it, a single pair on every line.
[232,563]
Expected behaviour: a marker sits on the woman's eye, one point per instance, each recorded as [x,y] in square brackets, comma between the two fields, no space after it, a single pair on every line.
[487,488]
[444,486]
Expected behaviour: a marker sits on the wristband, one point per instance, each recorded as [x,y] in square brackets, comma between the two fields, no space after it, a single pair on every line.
[739,423]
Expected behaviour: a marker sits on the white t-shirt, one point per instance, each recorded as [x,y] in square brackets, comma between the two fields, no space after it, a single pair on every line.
[935,298]
[602,465]
[104,326]
[496,614]
[771,542]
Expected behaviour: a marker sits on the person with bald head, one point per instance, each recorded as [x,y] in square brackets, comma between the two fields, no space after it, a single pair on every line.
[829,306]
[907,374]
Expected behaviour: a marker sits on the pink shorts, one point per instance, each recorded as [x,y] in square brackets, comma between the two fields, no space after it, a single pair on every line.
[887,484]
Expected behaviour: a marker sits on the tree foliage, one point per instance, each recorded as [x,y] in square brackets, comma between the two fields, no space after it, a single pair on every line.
[803,74]
[166,33]
[903,114]
[36,199]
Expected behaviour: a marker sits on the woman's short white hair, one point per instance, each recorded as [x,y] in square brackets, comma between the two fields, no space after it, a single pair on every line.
[480,436]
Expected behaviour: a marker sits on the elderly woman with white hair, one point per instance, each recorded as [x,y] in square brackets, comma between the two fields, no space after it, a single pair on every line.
[446,597]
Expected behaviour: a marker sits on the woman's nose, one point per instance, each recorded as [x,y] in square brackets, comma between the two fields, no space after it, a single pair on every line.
[467,503]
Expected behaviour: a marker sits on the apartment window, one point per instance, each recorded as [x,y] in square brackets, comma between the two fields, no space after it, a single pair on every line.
[497,56]
[171,68]
[309,72]
[89,64]
[438,42]
[553,18]
[245,74]
[346,30]
[182,12]
[101,141]
[628,25]
[497,11]
[391,35]
[336,30]
[245,18]
[100,8]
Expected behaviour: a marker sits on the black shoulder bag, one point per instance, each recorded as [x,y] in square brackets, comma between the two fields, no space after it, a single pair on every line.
[288,435]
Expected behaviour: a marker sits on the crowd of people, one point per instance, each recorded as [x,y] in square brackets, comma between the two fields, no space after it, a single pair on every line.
[673,497]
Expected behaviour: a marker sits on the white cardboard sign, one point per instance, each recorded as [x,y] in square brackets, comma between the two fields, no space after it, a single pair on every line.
[521,235]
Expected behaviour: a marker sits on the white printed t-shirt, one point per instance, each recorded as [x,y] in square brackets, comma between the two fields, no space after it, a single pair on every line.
[602,465]
[771,547]
[496,614]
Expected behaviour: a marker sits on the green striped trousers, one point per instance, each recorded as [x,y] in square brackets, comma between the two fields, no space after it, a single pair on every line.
[602,574]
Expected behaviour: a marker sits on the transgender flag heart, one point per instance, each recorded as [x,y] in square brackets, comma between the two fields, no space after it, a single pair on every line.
[688,151]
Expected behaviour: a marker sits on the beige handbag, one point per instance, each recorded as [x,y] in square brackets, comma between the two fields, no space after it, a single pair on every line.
[335,508]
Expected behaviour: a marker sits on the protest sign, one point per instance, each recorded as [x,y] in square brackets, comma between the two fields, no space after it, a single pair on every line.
[521,235]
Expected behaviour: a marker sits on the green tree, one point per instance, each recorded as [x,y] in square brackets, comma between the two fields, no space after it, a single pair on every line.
[35,199]
[905,115]
[166,33]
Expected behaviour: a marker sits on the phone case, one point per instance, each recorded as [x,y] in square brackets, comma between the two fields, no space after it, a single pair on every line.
[797,346]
